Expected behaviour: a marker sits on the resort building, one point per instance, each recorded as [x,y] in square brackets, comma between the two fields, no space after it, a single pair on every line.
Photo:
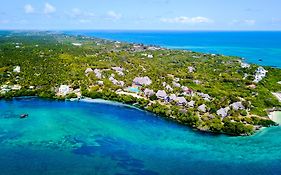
[161,94]
[260,74]
[148,92]
[17,69]
[181,101]
[142,81]
[64,90]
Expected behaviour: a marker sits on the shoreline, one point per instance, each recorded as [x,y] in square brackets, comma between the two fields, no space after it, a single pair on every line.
[272,115]
[275,116]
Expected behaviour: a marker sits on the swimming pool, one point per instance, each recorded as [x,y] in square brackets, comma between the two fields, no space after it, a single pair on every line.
[133,89]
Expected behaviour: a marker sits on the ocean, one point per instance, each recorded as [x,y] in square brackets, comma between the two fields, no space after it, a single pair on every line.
[79,138]
[263,48]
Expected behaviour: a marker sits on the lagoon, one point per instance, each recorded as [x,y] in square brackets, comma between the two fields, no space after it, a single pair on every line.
[99,138]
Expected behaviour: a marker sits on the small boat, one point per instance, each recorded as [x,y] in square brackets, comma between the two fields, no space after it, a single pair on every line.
[23,116]
[260,59]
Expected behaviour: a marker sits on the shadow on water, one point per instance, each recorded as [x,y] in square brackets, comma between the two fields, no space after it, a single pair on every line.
[108,147]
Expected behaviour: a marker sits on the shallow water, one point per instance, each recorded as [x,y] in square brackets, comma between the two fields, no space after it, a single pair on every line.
[90,138]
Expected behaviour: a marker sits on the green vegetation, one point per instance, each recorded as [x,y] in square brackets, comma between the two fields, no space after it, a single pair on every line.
[49,60]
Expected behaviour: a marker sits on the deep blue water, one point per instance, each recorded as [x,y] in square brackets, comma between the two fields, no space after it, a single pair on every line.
[252,46]
[78,138]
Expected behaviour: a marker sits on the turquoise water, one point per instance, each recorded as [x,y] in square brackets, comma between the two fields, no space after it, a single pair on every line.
[87,138]
[253,46]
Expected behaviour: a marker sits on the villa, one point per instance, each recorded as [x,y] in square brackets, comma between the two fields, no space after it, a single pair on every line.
[142,81]
[100,83]
[64,90]
[17,69]
[148,92]
[173,97]
[223,112]
[118,70]
[175,84]
[245,65]
[76,44]
[161,94]
[181,101]
[260,74]
[149,56]
[169,88]
[186,90]
[237,105]
[206,97]
[191,104]
[202,108]
[98,73]
[191,69]
[88,70]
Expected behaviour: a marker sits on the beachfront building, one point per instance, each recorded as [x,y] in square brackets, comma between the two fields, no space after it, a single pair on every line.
[148,92]
[64,90]
[245,65]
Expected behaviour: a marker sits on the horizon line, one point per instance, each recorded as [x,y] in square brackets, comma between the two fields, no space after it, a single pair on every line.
[140,30]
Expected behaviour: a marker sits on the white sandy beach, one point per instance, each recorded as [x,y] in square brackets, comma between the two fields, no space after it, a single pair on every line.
[101,101]
[275,116]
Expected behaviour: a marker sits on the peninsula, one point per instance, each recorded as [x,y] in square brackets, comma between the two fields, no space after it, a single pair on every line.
[209,92]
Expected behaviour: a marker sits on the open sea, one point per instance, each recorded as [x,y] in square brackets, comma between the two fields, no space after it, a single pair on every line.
[79,138]
[253,46]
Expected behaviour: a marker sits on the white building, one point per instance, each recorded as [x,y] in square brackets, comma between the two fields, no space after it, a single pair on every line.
[98,73]
[161,94]
[142,81]
[202,108]
[148,92]
[88,70]
[245,65]
[76,44]
[181,101]
[260,74]
[223,112]
[64,89]
[17,69]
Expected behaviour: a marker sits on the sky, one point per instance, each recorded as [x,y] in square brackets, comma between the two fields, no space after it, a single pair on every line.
[141,14]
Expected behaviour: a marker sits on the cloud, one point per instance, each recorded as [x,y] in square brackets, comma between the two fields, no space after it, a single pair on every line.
[249,22]
[187,20]
[113,15]
[28,8]
[48,9]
